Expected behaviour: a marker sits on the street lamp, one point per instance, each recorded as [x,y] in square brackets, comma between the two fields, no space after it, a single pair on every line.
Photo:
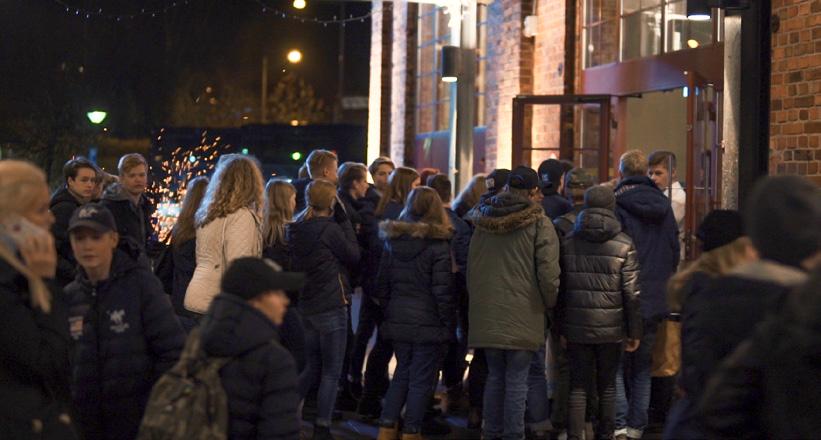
[294,56]
[96,116]
[300,4]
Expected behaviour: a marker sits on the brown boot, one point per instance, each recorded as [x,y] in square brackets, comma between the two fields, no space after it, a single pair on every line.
[417,436]
[388,433]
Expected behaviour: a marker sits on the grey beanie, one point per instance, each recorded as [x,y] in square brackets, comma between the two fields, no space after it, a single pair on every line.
[783,219]
[600,196]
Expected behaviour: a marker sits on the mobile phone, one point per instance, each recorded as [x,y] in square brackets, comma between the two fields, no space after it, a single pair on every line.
[15,230]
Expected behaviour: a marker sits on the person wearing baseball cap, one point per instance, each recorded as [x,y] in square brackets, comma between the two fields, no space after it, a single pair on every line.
[249,323]
[122,324]
[555,203]
[513,280]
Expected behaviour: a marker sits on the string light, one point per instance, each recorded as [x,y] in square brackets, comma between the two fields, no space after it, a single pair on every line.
[154,13]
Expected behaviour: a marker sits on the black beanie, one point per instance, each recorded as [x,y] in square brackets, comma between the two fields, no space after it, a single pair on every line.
[600,196]
[783,219]
[720,227]
[248,277]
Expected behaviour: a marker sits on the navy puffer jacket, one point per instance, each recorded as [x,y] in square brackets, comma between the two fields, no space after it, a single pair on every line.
[260,380]
[414,283]
[646,215]
[323,250]
[599,289]
[126,335]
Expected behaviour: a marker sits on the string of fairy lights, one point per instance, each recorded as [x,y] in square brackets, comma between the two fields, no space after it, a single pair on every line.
[265,9]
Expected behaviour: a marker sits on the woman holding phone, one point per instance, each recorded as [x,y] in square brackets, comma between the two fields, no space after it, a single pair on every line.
[34,337]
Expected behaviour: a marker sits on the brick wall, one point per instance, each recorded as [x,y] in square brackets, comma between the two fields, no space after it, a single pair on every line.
[510,73]
[548,69]
[403,93]
[795,118]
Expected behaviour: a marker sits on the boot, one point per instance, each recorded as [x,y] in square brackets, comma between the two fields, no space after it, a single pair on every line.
[416,436]
[388,433]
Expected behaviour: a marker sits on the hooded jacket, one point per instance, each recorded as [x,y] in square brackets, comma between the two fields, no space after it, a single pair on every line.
[323,250]
[132,221]
[260,379]
[62,205]
[717,318]
[599,293]
[34,360]
[414,283]
[647,217]
[513,273]
[125,336]
[770,386]
[566,222]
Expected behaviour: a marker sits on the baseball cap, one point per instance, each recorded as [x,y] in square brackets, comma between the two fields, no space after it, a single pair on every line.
[248,277]
[523,177]
[496,180]
[94,216]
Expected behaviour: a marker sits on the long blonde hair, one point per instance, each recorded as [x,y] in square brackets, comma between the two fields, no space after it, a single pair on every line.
[278,210]
[237,183]
[185,230]
[714,263]
[470,196]
[399,186]
[320,195]
[18,181]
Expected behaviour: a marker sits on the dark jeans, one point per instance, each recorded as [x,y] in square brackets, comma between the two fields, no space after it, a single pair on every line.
[558,415]
[537,414]
[506,393]
[349,340]
[587,361]
[453,369]
[477,378]
[633,385]
[325,339]
[376,371]
[369,315]
[413,384]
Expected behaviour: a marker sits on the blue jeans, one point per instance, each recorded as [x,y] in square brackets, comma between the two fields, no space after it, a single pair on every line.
[413,384]
[537,414]
[506,393]
[326,336]
[634,378]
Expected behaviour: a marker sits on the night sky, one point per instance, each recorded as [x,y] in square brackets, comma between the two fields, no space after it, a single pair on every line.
[52,60]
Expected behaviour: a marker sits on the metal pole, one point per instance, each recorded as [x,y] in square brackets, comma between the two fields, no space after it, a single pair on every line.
[263,91]
[341,61]
[466,96]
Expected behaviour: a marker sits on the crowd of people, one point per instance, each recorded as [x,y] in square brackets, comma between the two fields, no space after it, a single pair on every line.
[241,325]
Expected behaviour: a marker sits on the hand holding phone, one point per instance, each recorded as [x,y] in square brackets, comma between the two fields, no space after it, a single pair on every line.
[34,244]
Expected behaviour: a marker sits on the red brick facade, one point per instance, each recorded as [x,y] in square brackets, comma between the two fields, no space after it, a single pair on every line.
[795,112]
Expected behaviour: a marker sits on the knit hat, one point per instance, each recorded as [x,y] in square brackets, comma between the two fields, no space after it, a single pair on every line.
[577,178]
[600,196]
[719,228]
[93,216]
[550,173]
[783,219]
[523,177]
[496,180]
[248,277]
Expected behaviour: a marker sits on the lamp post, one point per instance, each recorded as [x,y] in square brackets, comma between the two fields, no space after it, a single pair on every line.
[96,117]
[294,56]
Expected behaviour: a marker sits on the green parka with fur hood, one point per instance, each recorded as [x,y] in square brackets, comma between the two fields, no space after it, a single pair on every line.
[513,273]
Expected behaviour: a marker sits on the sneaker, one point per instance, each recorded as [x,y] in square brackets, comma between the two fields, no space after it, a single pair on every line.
[322,433]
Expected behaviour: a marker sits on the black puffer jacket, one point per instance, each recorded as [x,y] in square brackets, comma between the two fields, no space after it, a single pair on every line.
[126,336]
[62,205]
[565,223]
[366,226]
[414,283]
[260,380]
[599,290]
[323,250]
[34,361]
[132,221]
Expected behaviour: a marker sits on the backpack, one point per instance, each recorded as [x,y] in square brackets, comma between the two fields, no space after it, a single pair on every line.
[188,401]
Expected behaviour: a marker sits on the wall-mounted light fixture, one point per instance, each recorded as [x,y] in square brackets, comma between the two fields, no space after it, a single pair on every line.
[450,63]
[698,10]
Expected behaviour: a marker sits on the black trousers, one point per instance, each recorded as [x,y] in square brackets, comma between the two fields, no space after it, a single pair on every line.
[592,364]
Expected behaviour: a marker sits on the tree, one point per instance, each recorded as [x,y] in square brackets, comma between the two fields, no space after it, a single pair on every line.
[295,100]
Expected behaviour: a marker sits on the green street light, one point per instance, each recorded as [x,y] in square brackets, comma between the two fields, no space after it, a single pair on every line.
[296,155]
[96,116]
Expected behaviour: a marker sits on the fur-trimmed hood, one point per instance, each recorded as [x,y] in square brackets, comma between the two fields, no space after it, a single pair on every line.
[395,228]
[504,213]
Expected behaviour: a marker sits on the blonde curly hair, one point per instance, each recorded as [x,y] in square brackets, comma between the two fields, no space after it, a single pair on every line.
[237,183]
